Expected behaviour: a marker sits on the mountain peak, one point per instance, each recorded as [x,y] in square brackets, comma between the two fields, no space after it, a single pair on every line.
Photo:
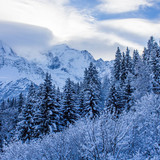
[5,50]
[60,47]
[60,61]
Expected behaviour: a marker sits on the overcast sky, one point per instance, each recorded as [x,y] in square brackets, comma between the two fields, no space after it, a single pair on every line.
[99,26]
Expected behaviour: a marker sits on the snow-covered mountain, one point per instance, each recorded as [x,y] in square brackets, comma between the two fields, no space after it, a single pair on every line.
[61,61]
[14,67]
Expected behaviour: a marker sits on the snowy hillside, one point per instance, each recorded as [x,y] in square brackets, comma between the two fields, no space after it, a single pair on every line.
[113,120]
[60,61]
[14,67]
[63,62]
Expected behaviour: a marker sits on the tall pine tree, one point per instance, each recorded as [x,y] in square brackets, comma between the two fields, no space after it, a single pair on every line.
[26,124]
[48,109]
[69,104]
[92,92]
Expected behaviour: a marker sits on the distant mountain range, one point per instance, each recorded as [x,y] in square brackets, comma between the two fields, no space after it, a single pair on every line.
[61,61]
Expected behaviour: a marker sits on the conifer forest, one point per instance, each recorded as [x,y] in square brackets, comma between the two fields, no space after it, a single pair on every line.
[114,119]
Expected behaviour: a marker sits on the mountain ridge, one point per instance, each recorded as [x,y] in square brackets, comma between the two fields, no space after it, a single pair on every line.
[60,61]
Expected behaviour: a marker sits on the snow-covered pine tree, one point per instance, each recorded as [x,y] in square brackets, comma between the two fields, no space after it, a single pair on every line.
[81,106]
[117,64]
[128,61]
[48,112]
[145,55]
[128,93]
[124,73]
[150,49]
[114,100]
[105,90]
[79,99]
[56,109]
[121,90]
[127,87]
[92,92]
[136,61]
[69,104]
[77,90]
[25,126]
[155,62]
[151,65]
[59,107]
[38,113]
[20,103]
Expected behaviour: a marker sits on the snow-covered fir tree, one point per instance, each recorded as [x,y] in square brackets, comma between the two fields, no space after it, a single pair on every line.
[117,64]
[92,91]
[48,109]
[25,126]
[70,109]
[130,128]
[121,90]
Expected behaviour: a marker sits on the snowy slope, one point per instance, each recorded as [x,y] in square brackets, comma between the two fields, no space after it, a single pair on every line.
[13,67]
[61,61]
[16,73]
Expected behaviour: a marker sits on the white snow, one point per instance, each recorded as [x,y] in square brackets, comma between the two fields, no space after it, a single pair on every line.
[70,63]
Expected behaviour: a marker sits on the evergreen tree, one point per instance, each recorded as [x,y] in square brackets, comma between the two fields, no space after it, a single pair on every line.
[80,100]
[128,61]
[56,109]
[105,90]
[136,57]
[151,61]
[48,109]
[149,51]
[38,113]
[26,124]
[112,101]
[120,94]
[150,46]
[69,104]
[8,120]
[128,93]
[59,122]
[156,69]
[136,62]
[117,64]
[124,72]
[92,91]
[20,103]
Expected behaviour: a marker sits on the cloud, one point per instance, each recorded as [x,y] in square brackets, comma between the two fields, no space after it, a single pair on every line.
[98,47]
[25,39]
[48,22]
[141,27]
[104,44]
[120,6]
[109,34]
[63,20]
